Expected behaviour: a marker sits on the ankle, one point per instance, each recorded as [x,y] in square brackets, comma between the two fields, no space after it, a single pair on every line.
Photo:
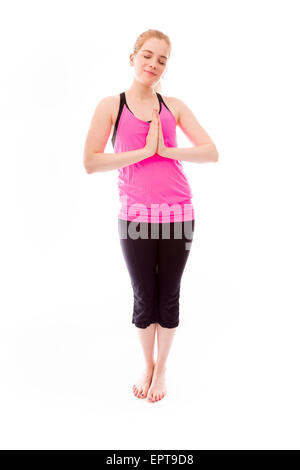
[160,367]
[150,364]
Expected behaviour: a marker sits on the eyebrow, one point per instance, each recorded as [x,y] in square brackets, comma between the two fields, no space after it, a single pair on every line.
[147,50]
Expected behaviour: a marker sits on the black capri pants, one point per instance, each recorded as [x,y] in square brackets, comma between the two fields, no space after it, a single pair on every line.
[155,255]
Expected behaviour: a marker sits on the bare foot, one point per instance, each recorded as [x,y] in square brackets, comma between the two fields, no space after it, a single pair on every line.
[140,388]
[157,389]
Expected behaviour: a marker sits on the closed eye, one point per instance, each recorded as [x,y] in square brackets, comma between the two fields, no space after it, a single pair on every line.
[147,57]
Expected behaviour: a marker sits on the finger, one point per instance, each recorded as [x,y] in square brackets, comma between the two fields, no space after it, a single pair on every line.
[160,131]
[154,115]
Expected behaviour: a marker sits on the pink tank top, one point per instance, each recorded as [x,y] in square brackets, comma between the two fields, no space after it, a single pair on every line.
[155,189]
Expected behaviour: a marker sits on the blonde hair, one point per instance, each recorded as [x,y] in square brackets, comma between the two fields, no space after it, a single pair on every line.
[143,37]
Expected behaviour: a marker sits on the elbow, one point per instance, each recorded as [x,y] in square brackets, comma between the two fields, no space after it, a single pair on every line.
[87,165]
[216,154]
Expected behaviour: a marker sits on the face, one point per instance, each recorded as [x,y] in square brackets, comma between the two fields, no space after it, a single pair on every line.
[152,57]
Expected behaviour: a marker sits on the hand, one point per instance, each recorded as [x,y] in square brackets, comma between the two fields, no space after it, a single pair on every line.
[160,150]
[152,136]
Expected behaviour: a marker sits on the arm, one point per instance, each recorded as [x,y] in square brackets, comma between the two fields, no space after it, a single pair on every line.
[198,154]
[111,161]
[94,157]
[204,149]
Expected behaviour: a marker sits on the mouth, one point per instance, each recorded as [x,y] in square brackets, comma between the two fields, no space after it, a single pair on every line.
[151,73]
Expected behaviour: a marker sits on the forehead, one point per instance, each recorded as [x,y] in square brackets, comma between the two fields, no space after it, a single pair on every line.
[156,46]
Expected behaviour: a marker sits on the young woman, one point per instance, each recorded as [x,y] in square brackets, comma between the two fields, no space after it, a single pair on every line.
[156,219]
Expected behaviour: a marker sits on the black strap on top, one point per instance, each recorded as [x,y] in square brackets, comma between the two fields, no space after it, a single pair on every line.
[161,100]
[122,104]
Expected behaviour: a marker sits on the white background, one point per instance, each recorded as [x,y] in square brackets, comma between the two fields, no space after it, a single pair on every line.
[69,353]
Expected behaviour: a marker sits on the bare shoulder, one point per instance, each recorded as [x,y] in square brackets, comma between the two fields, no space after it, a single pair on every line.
[105,102]
[108,106]
[189,124]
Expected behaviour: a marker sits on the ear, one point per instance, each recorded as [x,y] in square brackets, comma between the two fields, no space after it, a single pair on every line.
[131,59]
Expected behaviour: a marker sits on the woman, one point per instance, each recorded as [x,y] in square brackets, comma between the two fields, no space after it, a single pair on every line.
[156,219]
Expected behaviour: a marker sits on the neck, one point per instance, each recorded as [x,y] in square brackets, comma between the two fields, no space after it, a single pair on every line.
[140,92]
